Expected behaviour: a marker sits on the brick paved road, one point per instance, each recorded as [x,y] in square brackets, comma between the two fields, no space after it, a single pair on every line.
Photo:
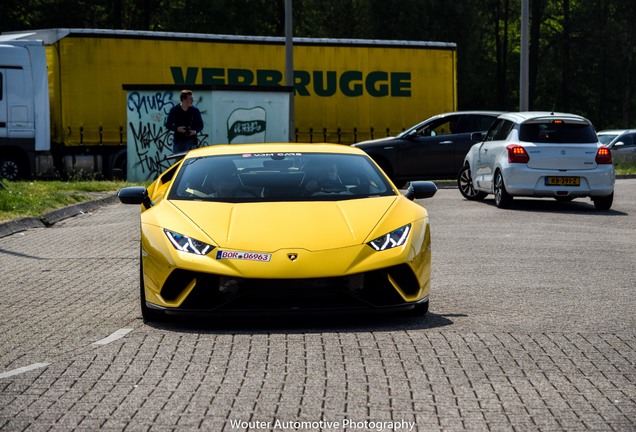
[532,327]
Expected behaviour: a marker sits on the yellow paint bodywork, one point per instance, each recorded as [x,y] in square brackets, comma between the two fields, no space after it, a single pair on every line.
[329,237]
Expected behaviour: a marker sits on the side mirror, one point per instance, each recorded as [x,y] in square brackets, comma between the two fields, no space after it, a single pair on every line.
[135,195]
[420,190]
[477,136]
[619,144]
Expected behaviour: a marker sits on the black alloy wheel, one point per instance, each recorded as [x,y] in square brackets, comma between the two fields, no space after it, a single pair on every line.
[465,185]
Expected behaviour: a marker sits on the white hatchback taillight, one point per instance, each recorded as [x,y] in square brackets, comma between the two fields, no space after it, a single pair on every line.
[517,154]
[603,156]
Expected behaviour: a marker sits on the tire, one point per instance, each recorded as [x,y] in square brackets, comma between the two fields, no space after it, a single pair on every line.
[147,313]
[420,309]
[502,198]
[119,166]
[13,166]
[603,203]
[465,185]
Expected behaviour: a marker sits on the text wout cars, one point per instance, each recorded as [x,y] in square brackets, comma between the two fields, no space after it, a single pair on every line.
[271,228]
[432,149]
[539,154]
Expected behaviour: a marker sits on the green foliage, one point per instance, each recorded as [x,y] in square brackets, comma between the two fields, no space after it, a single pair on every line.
[22,199]
[624,167]
[582,51]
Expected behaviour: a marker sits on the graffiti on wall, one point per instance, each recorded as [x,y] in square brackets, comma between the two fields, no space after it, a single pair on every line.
[233,117]
[247,125]
[149,141]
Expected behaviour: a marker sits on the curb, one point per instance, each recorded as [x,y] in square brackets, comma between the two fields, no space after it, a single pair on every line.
[17,225]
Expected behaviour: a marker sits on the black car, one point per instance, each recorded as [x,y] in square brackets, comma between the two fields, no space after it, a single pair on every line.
[622,143]
[432,149]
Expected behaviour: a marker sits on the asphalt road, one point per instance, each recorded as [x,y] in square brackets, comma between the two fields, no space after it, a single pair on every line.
[531,327]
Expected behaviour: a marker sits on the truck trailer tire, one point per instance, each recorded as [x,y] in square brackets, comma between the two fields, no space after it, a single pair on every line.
[119,165]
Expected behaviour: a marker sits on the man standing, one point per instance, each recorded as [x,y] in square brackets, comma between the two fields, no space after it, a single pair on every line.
[185,121]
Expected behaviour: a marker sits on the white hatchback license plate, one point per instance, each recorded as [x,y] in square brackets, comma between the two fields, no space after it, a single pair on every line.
[562,181]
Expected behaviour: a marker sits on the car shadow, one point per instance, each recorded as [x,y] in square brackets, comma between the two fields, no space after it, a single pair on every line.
[303,324]
[547,205]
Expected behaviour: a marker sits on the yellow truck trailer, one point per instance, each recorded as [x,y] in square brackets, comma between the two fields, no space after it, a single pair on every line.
[344,90]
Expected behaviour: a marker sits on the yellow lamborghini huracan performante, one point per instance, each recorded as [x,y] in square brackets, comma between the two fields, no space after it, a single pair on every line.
[270,228]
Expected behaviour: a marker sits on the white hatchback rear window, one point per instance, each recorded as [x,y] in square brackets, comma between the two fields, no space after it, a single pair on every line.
[558,132]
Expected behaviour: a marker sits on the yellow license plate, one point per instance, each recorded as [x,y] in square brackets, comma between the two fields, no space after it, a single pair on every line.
[563,181]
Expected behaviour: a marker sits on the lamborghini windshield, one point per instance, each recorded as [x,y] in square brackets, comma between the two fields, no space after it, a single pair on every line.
[263,177]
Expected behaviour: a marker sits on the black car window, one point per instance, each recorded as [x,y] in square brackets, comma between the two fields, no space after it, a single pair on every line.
[504,130]
[485,122]
[267,177]
[444,126]
[494,130]
[606,139]
[475,123]
[628,140]
[557,131]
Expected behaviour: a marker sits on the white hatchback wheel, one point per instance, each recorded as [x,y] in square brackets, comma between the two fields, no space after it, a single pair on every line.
[502,198]
[466,187]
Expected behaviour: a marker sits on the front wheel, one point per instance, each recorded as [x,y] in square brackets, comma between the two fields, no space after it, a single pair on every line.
[420,309]
[603,203]
[502,198]
[465,185]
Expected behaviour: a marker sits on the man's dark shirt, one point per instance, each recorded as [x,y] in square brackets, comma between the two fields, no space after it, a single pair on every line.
[191,118]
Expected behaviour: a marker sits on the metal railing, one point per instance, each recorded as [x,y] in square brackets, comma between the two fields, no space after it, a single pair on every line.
[340,136]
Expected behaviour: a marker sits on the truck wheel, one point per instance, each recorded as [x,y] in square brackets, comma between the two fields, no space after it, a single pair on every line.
[119,166]
[13,167]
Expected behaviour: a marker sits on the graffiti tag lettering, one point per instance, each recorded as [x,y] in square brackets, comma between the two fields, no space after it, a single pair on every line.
[149,141]
[155,103]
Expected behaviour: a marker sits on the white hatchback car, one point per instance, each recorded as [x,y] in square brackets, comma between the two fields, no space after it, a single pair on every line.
[539,154]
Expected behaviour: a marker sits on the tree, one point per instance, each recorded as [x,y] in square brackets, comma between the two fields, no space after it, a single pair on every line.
[582,53]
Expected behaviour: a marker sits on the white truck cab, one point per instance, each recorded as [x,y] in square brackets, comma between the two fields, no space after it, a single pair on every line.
[24,107]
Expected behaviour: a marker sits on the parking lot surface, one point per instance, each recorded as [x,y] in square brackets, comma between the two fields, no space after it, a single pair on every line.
[531,327]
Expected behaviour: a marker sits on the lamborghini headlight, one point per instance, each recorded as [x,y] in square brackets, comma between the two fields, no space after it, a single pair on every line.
[393,239]
[187,244]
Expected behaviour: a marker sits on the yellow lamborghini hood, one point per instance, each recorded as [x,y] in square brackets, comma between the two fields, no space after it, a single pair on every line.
[282,225]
